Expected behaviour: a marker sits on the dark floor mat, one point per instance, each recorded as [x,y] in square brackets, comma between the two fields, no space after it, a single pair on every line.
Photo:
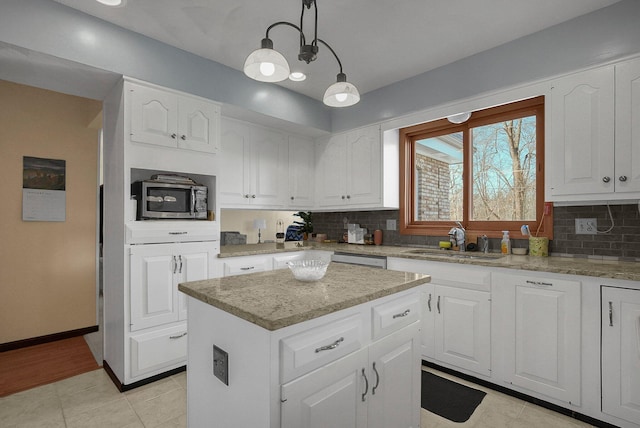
[449,399]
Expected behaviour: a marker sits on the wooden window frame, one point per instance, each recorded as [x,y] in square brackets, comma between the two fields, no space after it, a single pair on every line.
[493,229]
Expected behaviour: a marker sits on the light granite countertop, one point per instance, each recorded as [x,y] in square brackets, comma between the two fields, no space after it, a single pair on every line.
[600,267]
[275,299]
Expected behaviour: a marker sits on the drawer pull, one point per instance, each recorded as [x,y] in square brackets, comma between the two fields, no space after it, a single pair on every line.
[402,314]
[178,233]
[373,391]
[247,268]
[610,314]
[540,283]
[429,302]
[334,345]
[178,336]
[366,385]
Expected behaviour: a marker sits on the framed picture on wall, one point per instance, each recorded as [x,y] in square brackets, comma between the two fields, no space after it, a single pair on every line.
[43,189]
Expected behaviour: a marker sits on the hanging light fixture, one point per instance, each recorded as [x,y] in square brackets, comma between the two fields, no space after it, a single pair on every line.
[268,65]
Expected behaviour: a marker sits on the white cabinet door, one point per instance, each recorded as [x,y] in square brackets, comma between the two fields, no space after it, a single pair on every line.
[395,382]
[153,294]
[621,353]
[364,170]
[194,265]
[627,154]
[154,116]
[253,167]
[331,177]
[539,333]
[463,328]
[301,173]
[156,271]
[198,125]
[350,170]
[167,119]
[234,170]
[331,396]
[582,133]
[268,160]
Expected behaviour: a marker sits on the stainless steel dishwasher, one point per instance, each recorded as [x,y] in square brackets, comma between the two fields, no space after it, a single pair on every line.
[360,259]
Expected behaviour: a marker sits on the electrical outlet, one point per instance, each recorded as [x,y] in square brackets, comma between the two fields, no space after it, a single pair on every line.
[586,226]
[221,364]
[391,224]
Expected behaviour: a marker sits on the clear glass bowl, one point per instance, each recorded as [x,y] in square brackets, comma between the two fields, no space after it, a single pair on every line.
[308,270]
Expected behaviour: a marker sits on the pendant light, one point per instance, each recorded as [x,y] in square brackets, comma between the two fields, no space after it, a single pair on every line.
[268,65]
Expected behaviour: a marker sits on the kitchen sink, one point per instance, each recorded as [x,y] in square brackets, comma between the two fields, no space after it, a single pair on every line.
[455,255]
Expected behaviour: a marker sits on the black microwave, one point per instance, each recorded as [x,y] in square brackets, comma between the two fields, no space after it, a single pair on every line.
[157,199]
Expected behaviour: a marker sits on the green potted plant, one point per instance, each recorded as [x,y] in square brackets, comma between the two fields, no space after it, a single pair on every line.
[305,227]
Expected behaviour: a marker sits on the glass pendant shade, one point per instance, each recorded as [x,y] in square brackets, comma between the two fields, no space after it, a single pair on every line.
[341,93]
[266,65]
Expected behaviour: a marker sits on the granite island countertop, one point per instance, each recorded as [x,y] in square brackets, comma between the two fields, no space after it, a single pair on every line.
[275,299]
[601,267]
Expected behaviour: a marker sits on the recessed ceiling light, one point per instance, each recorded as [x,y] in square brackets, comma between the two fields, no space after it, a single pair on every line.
[112,2]
[297,76]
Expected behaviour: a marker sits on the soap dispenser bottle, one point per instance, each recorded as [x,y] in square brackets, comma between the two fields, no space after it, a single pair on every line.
[279,232]
[505,245]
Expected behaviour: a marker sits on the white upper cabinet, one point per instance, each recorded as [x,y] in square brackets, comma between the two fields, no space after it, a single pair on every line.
[595,135]
[349,173]
[301,173]
[253,166]
[165,118]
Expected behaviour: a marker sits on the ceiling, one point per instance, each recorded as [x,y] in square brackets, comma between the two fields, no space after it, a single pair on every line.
[379,42]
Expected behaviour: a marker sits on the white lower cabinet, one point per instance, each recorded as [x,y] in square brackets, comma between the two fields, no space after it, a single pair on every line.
[537,334]
[375,387]
[456,323]
[621,353]
[158,348]
[158,311]
[457,327]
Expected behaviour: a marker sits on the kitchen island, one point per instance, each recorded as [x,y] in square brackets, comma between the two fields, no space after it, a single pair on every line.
[342,351]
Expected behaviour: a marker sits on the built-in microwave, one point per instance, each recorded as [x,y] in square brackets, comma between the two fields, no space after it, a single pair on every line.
[168,197]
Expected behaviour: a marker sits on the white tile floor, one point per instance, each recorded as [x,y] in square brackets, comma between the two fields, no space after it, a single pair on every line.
[92,400]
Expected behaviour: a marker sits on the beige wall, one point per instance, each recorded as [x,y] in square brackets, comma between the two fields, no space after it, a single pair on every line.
[47,269]
[242,221]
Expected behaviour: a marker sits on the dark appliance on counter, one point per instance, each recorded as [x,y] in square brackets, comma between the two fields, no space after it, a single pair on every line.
[167,196]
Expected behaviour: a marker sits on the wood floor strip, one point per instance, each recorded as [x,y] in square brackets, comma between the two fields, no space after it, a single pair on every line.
[26,368]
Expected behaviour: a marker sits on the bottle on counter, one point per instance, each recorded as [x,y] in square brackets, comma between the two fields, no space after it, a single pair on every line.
[377,237]
[505,244]
[279,232]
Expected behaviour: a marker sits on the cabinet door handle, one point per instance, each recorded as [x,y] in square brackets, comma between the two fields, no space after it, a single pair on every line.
[247,268]
[429,302]
[366,385]
[348,196]
[180,258]
[246,196]
[610,314]
[175,264]
[606,179]
[173,136]
[334,345]
[178,336]
[623,178]
[540,283]
[183,137]
[373,390]
[402,314]
[292,198]
[253,196]
[438,304]
[343,197]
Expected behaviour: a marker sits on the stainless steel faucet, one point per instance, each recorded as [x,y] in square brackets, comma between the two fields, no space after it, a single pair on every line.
[484,243]
[457,236]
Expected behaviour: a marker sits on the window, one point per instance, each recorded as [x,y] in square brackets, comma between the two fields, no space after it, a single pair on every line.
[487,173]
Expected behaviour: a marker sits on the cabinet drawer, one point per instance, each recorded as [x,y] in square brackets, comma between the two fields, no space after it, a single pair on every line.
[316,347]
[159,349]
[391,316]
[280,261]
[246,265]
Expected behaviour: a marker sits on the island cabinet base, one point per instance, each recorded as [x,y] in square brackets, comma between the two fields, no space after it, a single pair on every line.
[357,367]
